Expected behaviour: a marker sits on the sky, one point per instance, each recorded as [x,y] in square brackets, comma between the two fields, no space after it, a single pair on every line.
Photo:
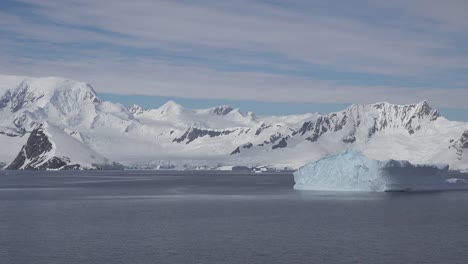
[275,57]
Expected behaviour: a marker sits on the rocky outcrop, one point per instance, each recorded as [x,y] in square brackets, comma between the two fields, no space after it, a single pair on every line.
[464,140]
[193,133]
[397,116]
[372,118]
[34,155]
[198,137]
[322,125]
[135,109]
[460,145]
[281,144]
[349,139]
[261,128]
[245,146]
[273,138]
[50,148]
[221,110]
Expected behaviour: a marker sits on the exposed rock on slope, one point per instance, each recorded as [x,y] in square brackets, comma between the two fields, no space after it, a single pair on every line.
[221,110]
[369,119]
[219,136]
[193,133]
[464,140]
[48,147]
[460,145]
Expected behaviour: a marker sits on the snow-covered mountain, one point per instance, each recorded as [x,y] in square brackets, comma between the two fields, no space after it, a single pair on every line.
[176,137]
[49,147]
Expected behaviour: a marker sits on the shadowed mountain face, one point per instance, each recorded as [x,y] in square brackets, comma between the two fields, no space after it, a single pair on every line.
[36,154]
[178,137]
[193,133]
[50,148]
[464,140]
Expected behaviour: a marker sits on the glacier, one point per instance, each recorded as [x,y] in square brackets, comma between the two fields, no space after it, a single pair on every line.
[353,171]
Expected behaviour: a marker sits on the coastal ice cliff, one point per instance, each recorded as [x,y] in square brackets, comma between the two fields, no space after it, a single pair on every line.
[352,171]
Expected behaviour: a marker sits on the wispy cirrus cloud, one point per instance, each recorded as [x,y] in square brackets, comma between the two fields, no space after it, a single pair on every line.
[307,51]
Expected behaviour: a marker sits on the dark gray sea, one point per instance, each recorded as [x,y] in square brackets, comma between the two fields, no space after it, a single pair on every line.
[214,217]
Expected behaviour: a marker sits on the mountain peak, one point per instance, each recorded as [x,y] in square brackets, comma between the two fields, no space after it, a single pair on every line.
[423,102]
[420,110]
[135,109]
[66,95]
[425,109]
[83,131]
[221,110]
[171,107]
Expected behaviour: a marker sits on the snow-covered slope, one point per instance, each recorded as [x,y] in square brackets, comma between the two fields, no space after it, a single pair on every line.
[49,147]
[172,136]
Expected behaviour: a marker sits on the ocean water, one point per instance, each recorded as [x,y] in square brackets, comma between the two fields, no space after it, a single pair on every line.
[215,217]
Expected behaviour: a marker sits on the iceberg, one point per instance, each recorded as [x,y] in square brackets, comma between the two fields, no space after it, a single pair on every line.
[353,171]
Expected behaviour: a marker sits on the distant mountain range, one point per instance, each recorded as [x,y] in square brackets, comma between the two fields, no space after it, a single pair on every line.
[55,123]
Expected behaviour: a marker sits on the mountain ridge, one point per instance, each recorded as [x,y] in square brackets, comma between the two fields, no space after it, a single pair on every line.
[224,135]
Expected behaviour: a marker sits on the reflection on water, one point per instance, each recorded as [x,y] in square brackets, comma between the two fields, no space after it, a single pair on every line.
[216,217]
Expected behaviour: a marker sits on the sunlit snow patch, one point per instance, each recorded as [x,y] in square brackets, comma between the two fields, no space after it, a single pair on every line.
[352,171]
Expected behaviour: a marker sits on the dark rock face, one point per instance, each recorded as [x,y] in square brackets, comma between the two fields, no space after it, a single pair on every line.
[426,110]
[389,116]
[312,138]
[193,133]
[5,99]
[273,138]
[371,131]
[19,123]
[35,152]
[281,144]
[321,126]
[18,98]
[135,109]
[238,149]
[55,163]
[423,110]
[247,145]
[464,140]
[221,110]
[37,145]
[461,144]
[261,128]
[307,126]
[349,139]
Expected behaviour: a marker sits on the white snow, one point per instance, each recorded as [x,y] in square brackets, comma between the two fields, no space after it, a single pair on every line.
[10,147]
[10,82]
[145,137]
[225,168]
[352,171]
[64,145]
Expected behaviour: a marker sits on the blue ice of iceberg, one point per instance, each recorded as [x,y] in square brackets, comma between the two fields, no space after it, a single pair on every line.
[353,171]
